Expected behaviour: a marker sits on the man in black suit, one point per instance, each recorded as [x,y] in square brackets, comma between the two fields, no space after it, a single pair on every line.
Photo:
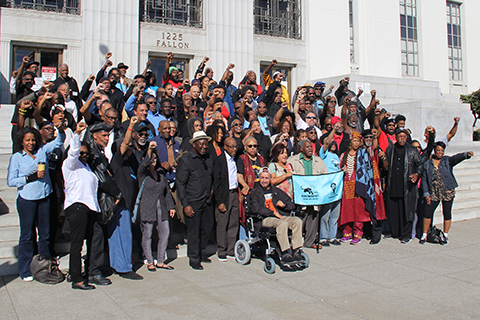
[225,190]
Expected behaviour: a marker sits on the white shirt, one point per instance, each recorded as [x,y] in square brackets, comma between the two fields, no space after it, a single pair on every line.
[81,184]
[72,108]
[232,172]
[303,125]
[108,148]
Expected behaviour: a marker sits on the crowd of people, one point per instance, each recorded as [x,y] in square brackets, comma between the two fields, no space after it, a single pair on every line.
[118,154]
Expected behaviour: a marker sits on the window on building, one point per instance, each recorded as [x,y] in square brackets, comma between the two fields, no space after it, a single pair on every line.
[158,65]
[278,18]
[47,57]
[409,38]
[63,6]
[352,47]
[174,12]
[454,36]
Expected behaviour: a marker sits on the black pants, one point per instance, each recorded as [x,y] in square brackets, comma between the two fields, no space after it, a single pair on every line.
[227,226]
[400,227]
[199,228]
[81,220]
[446,209]
[98,259]
[376,229]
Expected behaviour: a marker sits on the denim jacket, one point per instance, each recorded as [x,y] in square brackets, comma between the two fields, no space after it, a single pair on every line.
[446,171]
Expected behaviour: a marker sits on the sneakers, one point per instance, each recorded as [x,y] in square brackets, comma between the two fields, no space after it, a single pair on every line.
[28,279]
[297,255]
[131,275]
[335,242]
[287,258]
[99,280]
[405,240]
[346,238]
[355,241]
[222,258]
[325,243]
[443,241]
[422,241]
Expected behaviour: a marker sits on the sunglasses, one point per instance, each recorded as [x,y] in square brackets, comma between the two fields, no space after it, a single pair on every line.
[152,102]
[311,117]
[334,101]
[252,146]
[111,118]
[84,153]
[143,134]
[236,125]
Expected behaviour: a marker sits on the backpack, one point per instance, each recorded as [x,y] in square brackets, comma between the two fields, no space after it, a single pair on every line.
[45,270]
[435,235]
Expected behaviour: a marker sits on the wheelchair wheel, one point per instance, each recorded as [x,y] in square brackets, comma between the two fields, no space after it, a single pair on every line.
[242,252]
[269,265]
[306,258]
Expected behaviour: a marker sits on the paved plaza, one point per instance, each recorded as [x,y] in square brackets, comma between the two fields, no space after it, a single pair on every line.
[384,281]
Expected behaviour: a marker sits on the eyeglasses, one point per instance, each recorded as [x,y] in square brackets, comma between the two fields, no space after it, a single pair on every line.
[252,146]
[111,118]
[368,137]
[84,153]
[194,111]
[231,147]
[261,107]
[310,117]
[152,102]
[143,134]
[334,101]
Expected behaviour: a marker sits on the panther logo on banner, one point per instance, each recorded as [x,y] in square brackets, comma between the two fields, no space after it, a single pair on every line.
[317,189]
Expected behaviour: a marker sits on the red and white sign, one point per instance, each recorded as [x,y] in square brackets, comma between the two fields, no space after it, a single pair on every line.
[49,73]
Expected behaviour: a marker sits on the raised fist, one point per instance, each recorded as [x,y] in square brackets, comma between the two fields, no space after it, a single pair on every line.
[80,127]
[205,60]
[26,59]
[25,104]
[373,93]
[231,66]
[456,119]
[152,145]
[170,55]
[134,120]
[91,77]
[108,55]
[274,62]
[109,63]
[149,63]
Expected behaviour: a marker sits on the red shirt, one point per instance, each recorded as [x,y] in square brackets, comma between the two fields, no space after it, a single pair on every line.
[384,139]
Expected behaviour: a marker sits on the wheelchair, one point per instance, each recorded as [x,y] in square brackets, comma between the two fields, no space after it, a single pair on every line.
[263,239]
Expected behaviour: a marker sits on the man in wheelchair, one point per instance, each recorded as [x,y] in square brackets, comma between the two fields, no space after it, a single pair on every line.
[276,206]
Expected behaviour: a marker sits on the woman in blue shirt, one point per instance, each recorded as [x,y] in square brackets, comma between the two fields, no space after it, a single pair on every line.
[26,172]
[331,211]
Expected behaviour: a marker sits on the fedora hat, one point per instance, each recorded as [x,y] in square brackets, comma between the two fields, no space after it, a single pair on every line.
[199,135]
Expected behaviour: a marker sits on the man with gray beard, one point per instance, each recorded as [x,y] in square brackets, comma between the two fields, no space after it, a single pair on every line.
[353,118]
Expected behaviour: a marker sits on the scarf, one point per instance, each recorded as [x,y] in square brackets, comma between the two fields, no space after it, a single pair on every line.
[364,183]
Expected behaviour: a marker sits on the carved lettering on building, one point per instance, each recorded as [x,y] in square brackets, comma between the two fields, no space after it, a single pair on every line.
[172,40]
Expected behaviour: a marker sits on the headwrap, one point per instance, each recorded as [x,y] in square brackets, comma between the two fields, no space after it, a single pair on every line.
[354,135]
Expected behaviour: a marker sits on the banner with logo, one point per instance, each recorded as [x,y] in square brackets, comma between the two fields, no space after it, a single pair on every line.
[317,189]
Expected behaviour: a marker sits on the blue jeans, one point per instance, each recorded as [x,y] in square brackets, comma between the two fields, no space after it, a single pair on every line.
[329,221]
[120,240]
[29,212]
